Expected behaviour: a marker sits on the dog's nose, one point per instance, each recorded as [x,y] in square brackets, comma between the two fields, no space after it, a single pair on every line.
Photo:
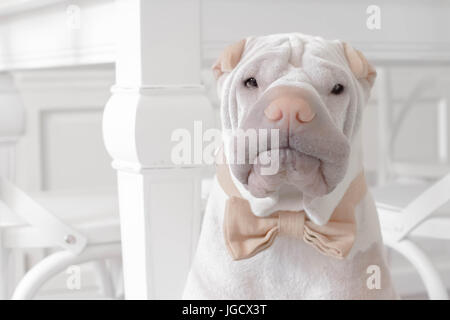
[295,110]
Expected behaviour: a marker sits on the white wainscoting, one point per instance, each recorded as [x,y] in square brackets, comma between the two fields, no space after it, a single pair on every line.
[63,146]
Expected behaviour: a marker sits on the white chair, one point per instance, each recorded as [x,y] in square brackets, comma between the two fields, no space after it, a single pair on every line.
[410,211]
[83,225]
[416,208]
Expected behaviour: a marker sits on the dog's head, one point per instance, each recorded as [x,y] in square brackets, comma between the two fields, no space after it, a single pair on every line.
[311,90]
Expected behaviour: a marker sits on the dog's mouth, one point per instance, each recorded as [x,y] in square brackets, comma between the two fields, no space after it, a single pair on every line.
[275,168]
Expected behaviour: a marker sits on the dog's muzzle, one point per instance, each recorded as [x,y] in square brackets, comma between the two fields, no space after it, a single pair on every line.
[289,137]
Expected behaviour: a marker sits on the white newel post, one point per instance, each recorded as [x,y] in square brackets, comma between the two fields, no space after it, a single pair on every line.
[158,90]
[11,128]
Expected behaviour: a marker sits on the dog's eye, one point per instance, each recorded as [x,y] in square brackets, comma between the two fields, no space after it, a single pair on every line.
[251,83]
[337,89]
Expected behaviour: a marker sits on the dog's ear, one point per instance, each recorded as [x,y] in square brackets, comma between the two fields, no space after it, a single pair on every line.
[229,58]
[359,65]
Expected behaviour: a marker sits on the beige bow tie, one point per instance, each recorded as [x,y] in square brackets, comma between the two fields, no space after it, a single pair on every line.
[247,234]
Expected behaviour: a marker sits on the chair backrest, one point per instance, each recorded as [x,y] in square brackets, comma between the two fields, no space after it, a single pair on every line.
[51,228]
[392,168]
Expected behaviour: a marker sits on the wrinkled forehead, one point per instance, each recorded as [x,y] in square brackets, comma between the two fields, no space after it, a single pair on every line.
[296,47]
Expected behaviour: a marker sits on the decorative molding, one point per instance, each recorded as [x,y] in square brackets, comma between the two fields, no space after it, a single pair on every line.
[98,50]
[7,158]
[12,120]
[42,116]
[401,21]
[187,89]
[94,77]
[8,7]
[396,53]
[83,48]
[59,43]
[379,53]
[53,98]
[11,108]
[97,54]
[134,135]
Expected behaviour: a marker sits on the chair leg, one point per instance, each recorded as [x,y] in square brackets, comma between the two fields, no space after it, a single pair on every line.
[116,272]
[120,291]
[4,273]
[104,278]
[18,267]
[430,276]
[58,262]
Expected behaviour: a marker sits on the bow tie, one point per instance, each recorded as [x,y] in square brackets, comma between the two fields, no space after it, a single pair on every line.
[247,234]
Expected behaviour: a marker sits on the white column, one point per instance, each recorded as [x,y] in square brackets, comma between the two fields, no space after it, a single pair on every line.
[11,127]
[158,90]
